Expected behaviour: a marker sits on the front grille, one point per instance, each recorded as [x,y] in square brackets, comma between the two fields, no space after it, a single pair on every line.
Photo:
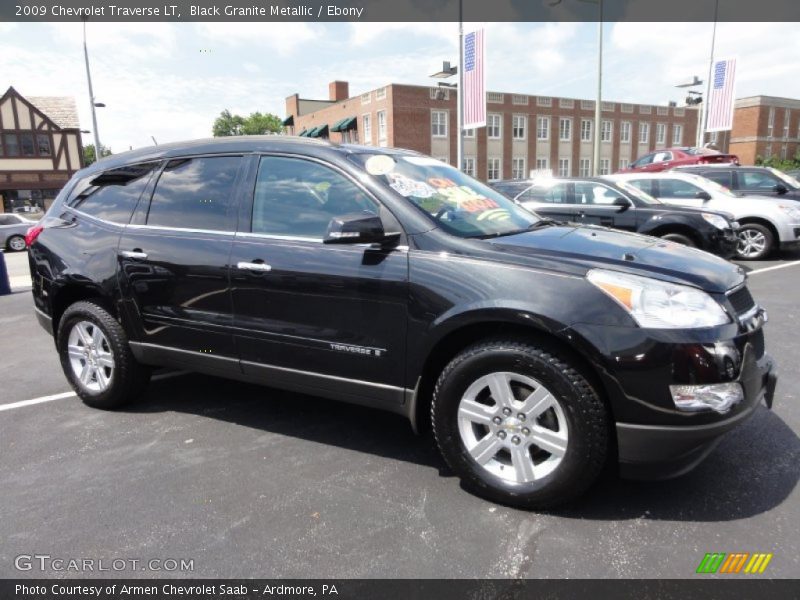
[741,300]
[758,343]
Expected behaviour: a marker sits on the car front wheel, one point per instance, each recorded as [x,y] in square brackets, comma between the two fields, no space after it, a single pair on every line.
[16,243]
[520,424]
[755,242]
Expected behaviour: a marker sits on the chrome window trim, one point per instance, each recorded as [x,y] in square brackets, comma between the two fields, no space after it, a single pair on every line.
[181,229]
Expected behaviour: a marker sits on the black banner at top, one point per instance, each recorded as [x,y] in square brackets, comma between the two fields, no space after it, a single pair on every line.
[401,10]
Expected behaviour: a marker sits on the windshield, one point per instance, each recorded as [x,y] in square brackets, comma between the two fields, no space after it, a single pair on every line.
[640,194]
[457,203]
[786,178]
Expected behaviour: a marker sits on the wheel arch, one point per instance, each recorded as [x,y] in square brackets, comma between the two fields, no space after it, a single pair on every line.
[679,227]
[67,295]
[776,238]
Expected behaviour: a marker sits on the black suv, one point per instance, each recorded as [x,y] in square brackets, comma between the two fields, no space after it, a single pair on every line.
[596,201]
[747,181]
[537,351]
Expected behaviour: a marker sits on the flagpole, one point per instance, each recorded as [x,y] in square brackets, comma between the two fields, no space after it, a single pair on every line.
[459,92]
[597,108]
[707,99]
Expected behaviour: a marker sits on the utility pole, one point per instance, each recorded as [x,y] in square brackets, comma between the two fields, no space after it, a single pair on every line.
[599,101]
[460,90]
[709,81]
[91,96]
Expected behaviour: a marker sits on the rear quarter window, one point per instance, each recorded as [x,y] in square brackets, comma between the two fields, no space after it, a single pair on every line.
[112,195]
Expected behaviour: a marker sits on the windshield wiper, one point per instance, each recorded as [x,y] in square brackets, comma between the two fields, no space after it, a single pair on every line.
[544,222]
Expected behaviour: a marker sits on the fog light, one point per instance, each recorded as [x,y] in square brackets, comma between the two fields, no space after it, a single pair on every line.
[719,397]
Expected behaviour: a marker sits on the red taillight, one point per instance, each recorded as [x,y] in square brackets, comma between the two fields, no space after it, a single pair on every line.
[32,234]
[703,161]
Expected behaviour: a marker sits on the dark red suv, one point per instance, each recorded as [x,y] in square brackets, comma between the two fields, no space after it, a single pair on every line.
[667,158]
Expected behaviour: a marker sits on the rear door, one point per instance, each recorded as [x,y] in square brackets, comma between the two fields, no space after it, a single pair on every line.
[173,262]
[677,191]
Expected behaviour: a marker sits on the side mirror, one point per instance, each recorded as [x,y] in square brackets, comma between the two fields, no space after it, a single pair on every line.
[355,228]
[703,195]
[623,203]
[781,189]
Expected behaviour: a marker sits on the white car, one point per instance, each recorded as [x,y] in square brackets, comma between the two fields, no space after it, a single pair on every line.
[766,224]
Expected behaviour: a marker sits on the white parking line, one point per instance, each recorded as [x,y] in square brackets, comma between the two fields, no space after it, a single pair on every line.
[775,268]
[65,395]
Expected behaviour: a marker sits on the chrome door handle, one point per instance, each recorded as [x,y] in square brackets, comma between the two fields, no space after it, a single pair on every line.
[254,266]
[133,254]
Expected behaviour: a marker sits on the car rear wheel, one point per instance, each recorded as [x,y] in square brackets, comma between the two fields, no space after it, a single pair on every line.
[679,238]
[520,424]
[96,358]
[16,243]
[755,242]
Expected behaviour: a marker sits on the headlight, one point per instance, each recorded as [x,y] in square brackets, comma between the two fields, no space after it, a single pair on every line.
[717,221]
[658,304]
[790,210]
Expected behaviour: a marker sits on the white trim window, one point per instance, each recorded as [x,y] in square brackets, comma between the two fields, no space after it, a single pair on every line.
[787,115]
[380,93]
[644,133]
[713,137]
[677,135]
[495,97]
[519,127]
[494,126]
[366,126]
[606,131]
[468,167]
[662,111]
[493,170]
[586,130]
[768,151]
[624,163]
[439,93]
[607,106]
[645,110]
[542,164]
[563,167]
[585,167]
[542,128]
[443,159]
[566,103]
[661,134]
[625,132]
[565,129]
[519,99]
[366,98]
[439,123]
[544,101]
[469,133]
[587,104]
[605,166]
[518,167]
[382,126]
[771,122]
[784,151]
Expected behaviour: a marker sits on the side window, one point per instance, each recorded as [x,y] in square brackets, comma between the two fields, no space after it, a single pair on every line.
[112,195]
[8,220]
[755,180]
[553,194]
[296,197]
[723,178]
[593,193]
[196,193]
[677,188]
[646,185]
[662,157]
[645,160]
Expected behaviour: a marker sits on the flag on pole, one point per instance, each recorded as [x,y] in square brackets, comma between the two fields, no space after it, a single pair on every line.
[720,105]
[474,79]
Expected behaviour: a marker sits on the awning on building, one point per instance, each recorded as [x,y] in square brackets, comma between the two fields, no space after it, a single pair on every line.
[318,131]
[344,124]
[303,133]
[289,121]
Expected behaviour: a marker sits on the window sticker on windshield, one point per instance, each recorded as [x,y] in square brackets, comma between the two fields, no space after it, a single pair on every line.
[409,187]
[380,164]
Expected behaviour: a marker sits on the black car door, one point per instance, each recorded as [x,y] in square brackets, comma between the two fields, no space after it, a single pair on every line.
[173,262]
[326,318]
[757,182]
[596,206]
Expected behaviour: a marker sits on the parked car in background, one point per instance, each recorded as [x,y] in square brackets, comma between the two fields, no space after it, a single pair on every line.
[747,181]
[765,224]
[661,160]
[12,231]
[619,205]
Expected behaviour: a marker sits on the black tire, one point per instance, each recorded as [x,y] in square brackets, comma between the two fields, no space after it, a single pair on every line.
[586,416]
[679,238]
[128,379]
[15,240]
[757,229]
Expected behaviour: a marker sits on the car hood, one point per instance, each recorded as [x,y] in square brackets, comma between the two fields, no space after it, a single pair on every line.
[591,247]
[692,210]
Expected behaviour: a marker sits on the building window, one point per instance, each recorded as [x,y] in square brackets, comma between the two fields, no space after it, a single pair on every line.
[543,128]
[566,103]
[382,125]
[563,167]
[784,151]
[493,169]
[645,110]
[625,132]
[771,122]
[786,117]
[585,167]
[661,133]
[519,99]
[768,151]
[544,101]
[439,93]
[623,163]
[626,108]
[495,97]
[366,98]
[469,133]
[677,135]
[607,106]
[679,112]
[43,144]
[519,123]
[366,122]
[468,166]
[542,164]
[518,167]
[644,133]
[586,130]
[494,126]
[606,131]
[439,123]
[443,159]
[713,136]
[565,129]
[380,93]
[605,166]
[662,111]
[587,104]
[11,144]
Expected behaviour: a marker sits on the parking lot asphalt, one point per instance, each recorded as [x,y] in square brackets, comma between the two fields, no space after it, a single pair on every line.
[247,481]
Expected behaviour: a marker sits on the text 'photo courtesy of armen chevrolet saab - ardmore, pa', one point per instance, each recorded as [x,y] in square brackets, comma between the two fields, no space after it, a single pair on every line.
[369,300]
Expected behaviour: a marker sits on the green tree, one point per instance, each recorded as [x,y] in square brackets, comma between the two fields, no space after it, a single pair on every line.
[89,154]
[255,124]
[776,162]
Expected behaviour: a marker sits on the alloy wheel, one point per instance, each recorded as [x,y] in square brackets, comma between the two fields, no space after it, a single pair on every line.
[90,356]
[751,243]
[16,243]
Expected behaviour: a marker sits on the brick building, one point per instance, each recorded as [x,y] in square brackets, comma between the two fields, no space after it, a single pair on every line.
[40,149]
[765,126]
[523,132]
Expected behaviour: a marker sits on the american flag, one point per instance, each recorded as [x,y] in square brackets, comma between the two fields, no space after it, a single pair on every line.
[474,79]
[720,106]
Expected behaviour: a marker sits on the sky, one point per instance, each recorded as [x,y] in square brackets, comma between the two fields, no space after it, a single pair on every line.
[171,80]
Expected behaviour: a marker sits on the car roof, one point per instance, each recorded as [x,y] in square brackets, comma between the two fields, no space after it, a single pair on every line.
[651,175]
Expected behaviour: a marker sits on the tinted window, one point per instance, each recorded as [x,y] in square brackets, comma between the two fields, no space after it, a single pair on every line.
[112,195]
[677,188]
[595,193]
[645,160]
[296,197]
[757,180]
[511,189]
[554,194]
[721,177]
[645,185]
[9,220]
[196,193]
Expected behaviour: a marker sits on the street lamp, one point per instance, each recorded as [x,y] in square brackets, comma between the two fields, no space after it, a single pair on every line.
[693,99]
[447,72]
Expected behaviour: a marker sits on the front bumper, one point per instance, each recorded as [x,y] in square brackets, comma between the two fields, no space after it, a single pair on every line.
[724,243]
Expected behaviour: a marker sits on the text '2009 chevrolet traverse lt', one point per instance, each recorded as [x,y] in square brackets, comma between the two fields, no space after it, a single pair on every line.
[537,351]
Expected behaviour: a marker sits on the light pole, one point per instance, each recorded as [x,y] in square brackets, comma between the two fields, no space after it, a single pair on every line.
[598,102]
[701,136]
[92,101]
[446,72]
[693,99]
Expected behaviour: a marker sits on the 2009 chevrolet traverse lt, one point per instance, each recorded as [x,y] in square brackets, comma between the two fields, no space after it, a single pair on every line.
[537,351]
